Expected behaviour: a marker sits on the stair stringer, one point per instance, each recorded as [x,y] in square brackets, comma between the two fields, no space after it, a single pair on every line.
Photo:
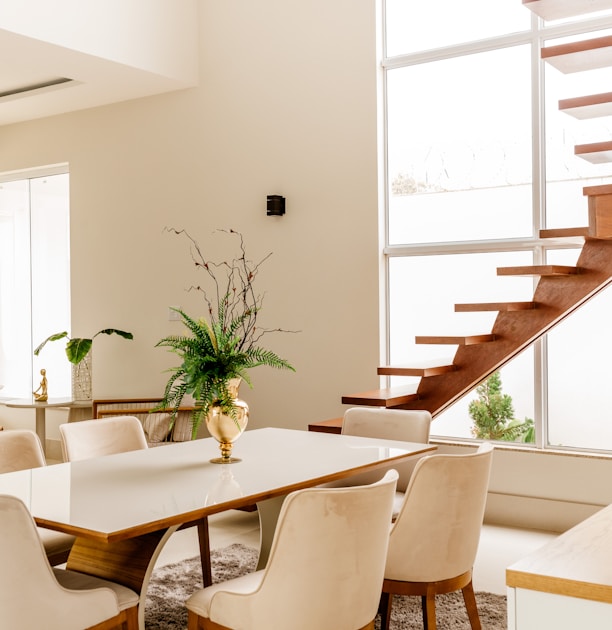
[556,298]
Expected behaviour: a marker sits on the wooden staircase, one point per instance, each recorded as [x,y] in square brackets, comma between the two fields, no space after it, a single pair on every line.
[560,290]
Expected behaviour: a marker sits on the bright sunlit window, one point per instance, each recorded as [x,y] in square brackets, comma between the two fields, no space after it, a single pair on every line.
[479,158]
[34,279]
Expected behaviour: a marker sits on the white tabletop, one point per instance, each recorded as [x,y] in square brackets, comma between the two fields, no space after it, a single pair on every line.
[119,496]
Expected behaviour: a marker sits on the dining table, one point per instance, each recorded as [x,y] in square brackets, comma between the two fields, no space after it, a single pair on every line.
[123,508]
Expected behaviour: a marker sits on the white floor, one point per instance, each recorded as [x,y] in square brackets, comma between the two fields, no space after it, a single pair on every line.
[499,546]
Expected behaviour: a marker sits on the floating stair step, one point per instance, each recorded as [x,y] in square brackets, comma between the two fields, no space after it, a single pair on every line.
[564,232]
[495,306]
[584,107]
[586,54]
[462,340]
[559,9]
[596,152]
[425,370]
[387,397]
[600,210]
[538,270]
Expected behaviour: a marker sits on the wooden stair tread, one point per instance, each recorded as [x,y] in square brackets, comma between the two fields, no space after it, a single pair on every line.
[563,232]
[592,191]
[461,340]
[494,306]
[586,54]
[559,9]
[333,425]
[591,106]
[424,370]
[386,397]
[538,270]
[596,152]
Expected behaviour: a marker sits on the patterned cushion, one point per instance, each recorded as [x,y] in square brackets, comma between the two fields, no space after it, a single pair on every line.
[182,427]
[156,426]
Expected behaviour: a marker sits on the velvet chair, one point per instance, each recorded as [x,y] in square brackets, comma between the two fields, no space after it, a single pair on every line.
[95,438]
[324,570]
[434,540]
[20,450]
[389,424]
[34,595]
[121,434]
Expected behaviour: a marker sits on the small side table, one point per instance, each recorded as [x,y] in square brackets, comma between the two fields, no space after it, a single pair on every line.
[41,407]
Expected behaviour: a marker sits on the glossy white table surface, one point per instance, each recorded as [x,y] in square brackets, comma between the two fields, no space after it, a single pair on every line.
[117,497]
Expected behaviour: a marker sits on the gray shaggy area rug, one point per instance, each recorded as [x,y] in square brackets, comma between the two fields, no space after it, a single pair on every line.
[172,584]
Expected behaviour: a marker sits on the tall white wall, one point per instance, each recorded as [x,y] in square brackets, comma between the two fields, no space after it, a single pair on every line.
[286,104]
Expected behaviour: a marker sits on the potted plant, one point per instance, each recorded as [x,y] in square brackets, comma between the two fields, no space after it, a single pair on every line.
[78,353]
[77,347]
[219,350]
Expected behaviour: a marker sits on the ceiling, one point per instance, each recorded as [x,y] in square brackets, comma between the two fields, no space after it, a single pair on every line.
[39,79]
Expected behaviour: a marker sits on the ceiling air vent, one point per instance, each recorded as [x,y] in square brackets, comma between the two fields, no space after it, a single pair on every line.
[25,89]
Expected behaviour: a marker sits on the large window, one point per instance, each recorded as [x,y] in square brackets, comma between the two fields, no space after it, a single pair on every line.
[34,280]
[479,158]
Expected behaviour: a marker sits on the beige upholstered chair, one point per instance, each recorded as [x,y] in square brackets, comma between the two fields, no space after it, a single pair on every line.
[95,438]
[389,424]
[20,450]
[121,434]
[33,595]
[323,572]
[433,542]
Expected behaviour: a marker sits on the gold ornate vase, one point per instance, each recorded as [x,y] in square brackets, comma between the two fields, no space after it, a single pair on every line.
[227,429]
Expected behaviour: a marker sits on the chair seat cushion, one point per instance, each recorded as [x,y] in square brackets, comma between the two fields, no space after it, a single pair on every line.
[200,601]
[73,580]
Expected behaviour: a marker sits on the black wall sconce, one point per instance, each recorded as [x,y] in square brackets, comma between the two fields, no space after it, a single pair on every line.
[276,206]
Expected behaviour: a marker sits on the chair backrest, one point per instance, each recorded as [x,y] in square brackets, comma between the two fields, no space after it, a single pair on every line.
[324,564]
[436,533]
[389,424]
[106,436]
[20,449]
[30,596]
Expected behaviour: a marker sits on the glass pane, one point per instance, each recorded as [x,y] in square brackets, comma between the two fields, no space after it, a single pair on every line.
[579,392]
[414,26]
[51,279]
[15,332]
[423,293]
[34,284]
[516,382]
[459,149]
[566,173]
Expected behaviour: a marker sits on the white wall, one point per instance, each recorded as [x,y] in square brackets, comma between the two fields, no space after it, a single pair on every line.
[286,105]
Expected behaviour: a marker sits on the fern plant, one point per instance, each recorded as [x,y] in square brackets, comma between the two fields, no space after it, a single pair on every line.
[223,347]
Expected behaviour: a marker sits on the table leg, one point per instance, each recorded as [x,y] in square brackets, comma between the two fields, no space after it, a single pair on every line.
[41,428]
[129,562]
[268,516]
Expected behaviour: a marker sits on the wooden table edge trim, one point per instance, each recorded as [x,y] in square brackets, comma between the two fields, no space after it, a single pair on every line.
[195,515]
[559,586]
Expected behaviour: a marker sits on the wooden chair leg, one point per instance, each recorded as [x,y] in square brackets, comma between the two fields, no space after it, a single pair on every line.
[384,608]
[192,620]
[428,603]
[204,540]
[470,604]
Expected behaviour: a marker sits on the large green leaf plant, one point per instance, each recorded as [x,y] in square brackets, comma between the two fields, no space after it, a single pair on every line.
[222,347]
[78,347]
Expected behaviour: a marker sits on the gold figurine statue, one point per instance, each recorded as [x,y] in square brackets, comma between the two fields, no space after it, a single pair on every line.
[40,395]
